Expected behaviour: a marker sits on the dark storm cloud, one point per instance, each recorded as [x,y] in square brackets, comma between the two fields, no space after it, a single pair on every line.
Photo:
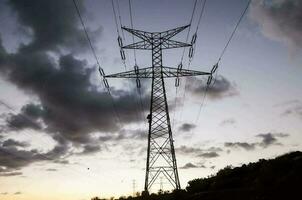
[54,24]
[139,134]
[69,106]
[198,152]
[13,159]
[90,148]
[208,155]
[105,138]
[267,140]
[14,143]
[186,127]
[191,165]
[293,108]
[125,134]
[221,89]
[69,102]
[3,53]
[280,20]
[61,161]
[27,118]
[19,122]
[244,145]
[11,174]
[188,150]
[51,170]
[229,121]
[214,149]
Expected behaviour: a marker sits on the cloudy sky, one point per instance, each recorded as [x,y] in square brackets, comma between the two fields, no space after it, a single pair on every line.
[60,136]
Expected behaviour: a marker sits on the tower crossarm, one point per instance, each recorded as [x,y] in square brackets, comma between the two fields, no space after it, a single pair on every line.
[168,72]
[144,35]
[171,44]
[156,38]
[143,45]
[165,44]
[140,73]
[172,32]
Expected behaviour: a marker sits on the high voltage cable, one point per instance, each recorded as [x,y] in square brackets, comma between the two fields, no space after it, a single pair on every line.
[202,103]
[115,19]
[117,25]
[120,19]
[135,61]
[221,55]
[182,57]
[86,32]
[231,37]
[124,61]
[123,34]
[201,14]
[97,60]
[189,29]
[131,21]
[190,59]
[138,111]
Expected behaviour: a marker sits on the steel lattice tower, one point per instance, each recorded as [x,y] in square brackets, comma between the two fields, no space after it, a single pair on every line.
[161,157]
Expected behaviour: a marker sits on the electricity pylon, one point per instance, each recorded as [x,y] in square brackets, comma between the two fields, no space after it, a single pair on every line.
[160,153]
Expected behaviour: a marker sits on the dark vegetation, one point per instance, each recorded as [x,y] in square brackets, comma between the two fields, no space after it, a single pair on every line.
[279,178]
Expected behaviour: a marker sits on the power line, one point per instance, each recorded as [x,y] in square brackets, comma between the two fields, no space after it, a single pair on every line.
[192,51]
[231,37]
[220,57]
[123,35]
[140,107]
[120,19]
[202,103]
[131,21]
[181,60]
[115,19]
[135,61]
[101,70]
[86,33]
[189,29]
[201,14]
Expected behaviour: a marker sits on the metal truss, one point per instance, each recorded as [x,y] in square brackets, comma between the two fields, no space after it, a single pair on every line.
[168,72]
[161,159]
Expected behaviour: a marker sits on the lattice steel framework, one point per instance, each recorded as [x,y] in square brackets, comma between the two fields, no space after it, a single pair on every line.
[160,154]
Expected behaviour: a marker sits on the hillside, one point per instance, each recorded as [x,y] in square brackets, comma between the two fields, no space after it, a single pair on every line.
[278,178]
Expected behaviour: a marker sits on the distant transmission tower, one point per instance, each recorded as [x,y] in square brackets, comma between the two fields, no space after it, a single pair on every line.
[160,154]
[161,184]
[133,187]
